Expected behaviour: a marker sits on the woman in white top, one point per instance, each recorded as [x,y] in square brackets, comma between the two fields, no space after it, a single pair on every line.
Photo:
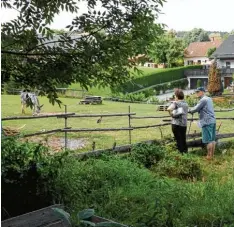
[179,111]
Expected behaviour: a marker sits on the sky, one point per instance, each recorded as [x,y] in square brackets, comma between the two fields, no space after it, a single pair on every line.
[177,14]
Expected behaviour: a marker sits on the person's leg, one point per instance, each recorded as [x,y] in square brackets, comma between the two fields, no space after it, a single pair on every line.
[209,150]
[176,134]
[184,147]
[214,138]
[206,140]
[208,137]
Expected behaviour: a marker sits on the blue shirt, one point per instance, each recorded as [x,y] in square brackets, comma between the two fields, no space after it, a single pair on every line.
[205,110]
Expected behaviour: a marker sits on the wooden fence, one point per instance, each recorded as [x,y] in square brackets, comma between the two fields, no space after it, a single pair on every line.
[66,115]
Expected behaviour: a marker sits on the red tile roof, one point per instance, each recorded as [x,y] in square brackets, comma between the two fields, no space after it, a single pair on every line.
[199,49]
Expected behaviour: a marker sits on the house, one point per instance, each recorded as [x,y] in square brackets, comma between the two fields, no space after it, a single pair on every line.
[196,53]
[224,55]
[225,59]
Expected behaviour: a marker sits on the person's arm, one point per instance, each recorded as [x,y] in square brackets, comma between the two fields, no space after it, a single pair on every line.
[198,107]
[170,109]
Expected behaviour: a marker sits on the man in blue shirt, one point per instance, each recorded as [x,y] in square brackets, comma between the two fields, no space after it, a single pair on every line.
[207,122]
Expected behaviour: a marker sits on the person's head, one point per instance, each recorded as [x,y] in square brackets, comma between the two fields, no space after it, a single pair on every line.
[179,94]
[200,91]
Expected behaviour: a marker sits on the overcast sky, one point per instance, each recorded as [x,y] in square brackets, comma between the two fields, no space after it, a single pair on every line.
[178,14]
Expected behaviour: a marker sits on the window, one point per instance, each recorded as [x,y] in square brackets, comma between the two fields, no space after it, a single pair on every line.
[199,62]
[190,62]
[228,64]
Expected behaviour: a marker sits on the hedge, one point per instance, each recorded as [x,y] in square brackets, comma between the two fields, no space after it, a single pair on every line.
[157,77]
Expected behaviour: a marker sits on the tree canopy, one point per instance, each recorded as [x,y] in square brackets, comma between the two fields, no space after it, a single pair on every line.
[196,35]
[167,49]
[94,51]
[211,51]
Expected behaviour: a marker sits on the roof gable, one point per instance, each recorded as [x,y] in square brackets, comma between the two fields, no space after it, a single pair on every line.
[226,49]
[199,49]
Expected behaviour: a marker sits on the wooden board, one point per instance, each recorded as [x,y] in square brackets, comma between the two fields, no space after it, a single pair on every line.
[44,218]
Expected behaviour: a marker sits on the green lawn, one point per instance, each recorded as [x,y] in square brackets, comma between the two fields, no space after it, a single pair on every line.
[11,107]
[106,92]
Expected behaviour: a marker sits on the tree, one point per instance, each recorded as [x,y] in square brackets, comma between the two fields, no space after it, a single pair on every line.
[214,81]
[167,49]
[196,35]
[95,50]
[210,51]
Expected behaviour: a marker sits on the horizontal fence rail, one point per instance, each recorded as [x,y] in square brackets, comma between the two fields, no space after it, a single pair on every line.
[99,115]
[196,119]
[36,117]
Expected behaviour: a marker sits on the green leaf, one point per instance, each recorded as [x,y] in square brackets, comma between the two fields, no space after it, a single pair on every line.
[63,215]
[88,222]
[85,214]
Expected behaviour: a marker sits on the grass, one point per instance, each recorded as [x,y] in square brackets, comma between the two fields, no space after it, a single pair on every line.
[11,107]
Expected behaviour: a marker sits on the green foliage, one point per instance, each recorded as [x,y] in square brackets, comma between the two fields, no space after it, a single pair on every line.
[120,189]
[210,51]
[199,83]
[180,166]
[192,101]
[183,83]
[27,174]
[157,77]
[96,55]
[147,155]
[196,35]
[167,49]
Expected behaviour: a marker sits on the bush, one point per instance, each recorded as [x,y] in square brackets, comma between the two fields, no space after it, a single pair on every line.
[147,155]
[185,166]
[27,176]
[157,77]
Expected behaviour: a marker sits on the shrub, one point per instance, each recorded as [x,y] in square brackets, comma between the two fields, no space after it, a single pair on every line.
[157,77]
[147,155]
[27,176]
[180,166]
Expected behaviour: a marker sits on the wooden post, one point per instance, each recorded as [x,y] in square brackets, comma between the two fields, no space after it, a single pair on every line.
[129,125]
[65,125]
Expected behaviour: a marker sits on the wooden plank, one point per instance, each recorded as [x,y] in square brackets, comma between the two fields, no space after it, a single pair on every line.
[95,129]
[36,117]
[41,133]
[145,117]
[151,126]
[127,148]
[195,119]
[119,149]
[42,217]
[101,115]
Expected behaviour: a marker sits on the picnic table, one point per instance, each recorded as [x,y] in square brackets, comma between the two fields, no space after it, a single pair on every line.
[91,100]
[162,107]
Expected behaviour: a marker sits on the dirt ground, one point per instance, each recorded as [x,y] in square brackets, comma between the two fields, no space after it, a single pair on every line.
[57,143]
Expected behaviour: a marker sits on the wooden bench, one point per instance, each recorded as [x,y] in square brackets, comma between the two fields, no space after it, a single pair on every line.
[44,217]
[162,107]
[91,100]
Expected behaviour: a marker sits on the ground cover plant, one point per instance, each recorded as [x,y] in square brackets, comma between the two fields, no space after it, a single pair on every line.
[122,189]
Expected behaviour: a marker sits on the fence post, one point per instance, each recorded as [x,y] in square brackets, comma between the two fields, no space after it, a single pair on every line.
[65,118]
[129,125]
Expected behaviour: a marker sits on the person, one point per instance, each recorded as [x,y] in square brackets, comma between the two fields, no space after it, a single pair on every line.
[207,120]
[179,110]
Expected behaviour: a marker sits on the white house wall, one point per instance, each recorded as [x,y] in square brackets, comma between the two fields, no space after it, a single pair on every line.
[222,63]
[204,60]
